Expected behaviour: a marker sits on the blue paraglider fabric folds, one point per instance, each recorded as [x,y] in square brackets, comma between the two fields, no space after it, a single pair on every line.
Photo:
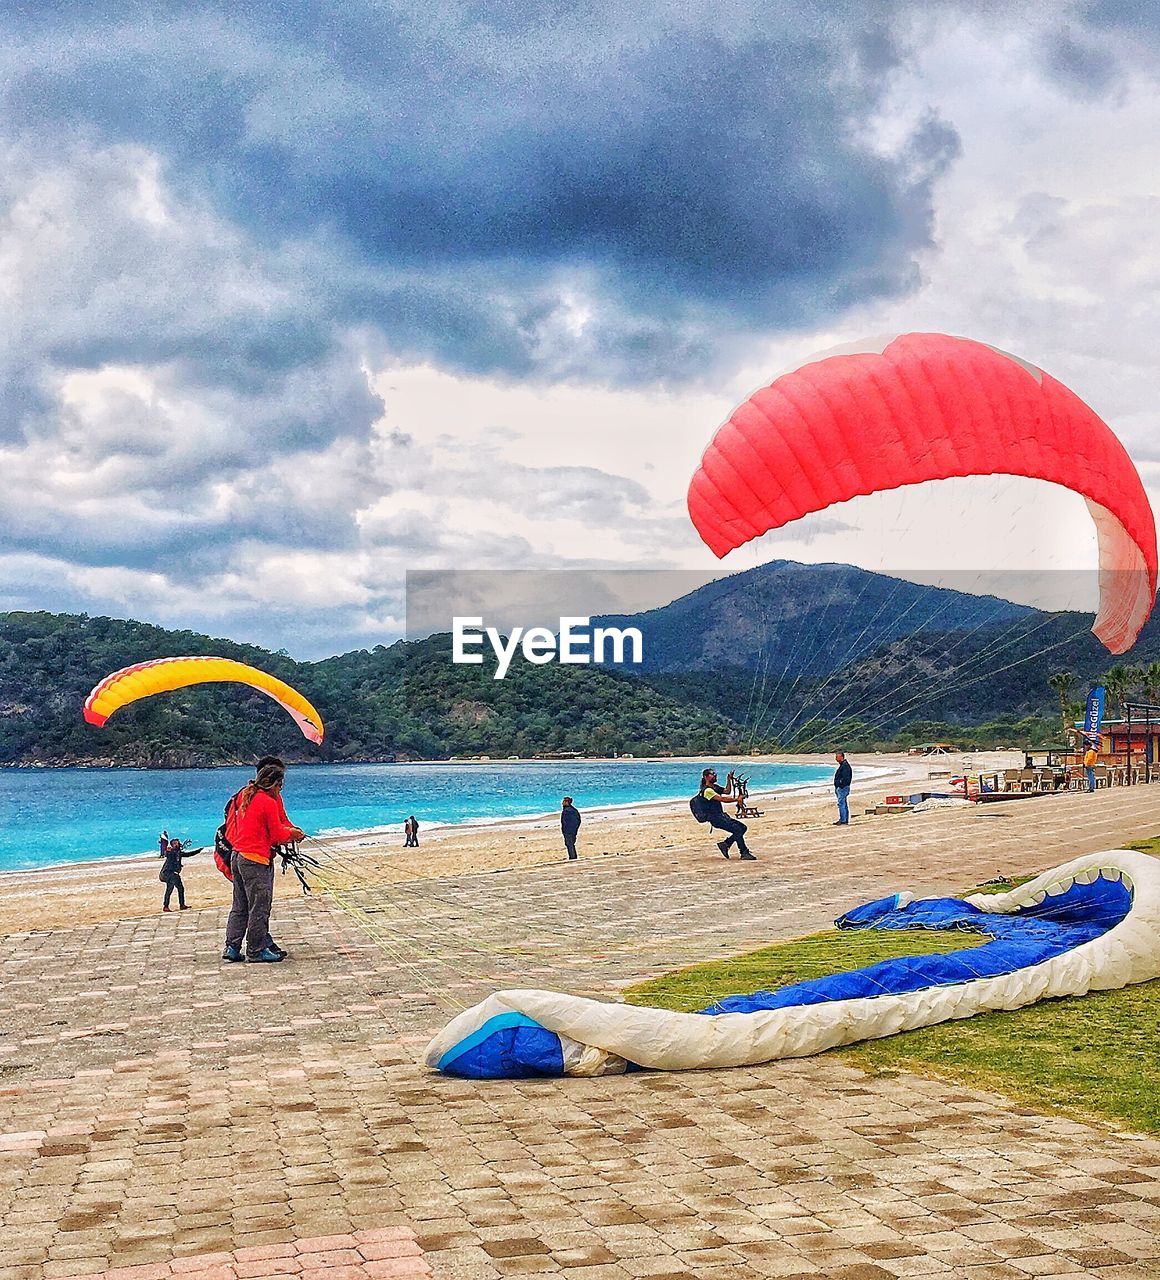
[1019,941]
[511,1045]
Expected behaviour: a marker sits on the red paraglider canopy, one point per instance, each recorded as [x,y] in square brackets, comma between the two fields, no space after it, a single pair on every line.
[925,406]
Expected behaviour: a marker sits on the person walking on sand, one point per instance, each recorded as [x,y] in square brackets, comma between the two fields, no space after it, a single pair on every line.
[570,825]
[406,833]
[414,831]
[715,796]
[843,777]
[260,824]
[171,876]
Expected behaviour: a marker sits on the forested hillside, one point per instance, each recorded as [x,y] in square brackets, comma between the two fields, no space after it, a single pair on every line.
[822,654]
[408,700]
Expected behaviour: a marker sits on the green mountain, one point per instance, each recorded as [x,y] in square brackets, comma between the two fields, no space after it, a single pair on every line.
[408,700]
[807,620]
[986,686]
[790,656]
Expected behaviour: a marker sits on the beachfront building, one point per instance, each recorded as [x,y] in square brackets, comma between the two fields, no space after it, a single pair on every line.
[1141,741]
[1129,747]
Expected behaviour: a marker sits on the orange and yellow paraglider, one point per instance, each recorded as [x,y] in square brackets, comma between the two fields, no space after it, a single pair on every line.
[163,675]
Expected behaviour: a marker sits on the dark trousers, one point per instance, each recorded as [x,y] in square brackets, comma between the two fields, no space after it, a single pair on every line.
[736,831]
[174,882]
[253,898]
[570,844]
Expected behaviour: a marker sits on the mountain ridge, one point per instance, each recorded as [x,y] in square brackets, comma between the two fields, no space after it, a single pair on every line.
[782,656]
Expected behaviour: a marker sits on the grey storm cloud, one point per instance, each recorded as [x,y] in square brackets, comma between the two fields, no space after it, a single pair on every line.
[1094,43]
[454,174]
[216,219]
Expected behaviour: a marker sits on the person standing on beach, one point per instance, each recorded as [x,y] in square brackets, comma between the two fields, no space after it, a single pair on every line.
[414,831]
[259,824]
[231,830]
[570,825]
[171,875]
[1090,758]
[407,833]
[715,796]
[843,777]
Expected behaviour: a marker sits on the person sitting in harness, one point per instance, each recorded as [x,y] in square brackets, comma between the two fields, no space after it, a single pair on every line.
[706,806]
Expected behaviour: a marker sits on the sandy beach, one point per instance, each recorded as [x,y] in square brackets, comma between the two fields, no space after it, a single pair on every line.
[125,889]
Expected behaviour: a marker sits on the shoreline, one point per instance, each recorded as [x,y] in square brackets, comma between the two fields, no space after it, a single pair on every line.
[495,822]
[126,887]
[455,761]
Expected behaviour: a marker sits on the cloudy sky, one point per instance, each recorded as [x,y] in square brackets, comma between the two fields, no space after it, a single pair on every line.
[298,296]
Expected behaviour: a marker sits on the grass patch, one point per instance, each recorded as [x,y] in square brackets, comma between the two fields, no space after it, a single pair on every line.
[1092,1056]
[687,990]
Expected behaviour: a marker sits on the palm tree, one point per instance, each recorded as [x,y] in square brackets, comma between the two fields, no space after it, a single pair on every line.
[1150,679]
[1061,682]
[1119,682]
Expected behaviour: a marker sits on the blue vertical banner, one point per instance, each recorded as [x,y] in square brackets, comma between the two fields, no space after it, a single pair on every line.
[1093,716]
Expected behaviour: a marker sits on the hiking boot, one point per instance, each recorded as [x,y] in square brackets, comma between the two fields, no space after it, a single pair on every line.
[281,952]
[268,956]
[231,955]
[723,845]
[749,857]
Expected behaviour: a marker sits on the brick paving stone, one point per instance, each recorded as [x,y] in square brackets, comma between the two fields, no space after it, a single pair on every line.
[133,1152]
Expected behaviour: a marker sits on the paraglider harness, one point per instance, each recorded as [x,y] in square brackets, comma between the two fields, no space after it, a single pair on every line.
[292,857]
[706,810]
[744,808]
[703,810]
[222,849]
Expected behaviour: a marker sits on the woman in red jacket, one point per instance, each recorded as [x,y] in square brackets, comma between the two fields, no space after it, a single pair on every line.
[260,824]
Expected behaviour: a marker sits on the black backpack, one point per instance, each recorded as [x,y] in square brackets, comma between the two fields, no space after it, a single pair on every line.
[700,808]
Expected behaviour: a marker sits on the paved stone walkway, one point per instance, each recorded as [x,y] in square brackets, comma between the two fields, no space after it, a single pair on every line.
[165,1113]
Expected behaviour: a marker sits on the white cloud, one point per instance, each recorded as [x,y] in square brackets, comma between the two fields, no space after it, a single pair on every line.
[187,438]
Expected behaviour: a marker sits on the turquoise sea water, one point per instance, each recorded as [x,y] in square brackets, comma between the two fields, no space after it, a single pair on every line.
[53,816]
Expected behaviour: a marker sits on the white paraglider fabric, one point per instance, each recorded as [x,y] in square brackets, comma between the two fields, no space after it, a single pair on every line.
[590,1037]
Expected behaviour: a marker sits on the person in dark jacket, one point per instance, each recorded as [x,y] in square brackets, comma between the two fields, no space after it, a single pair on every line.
[843,776]
[715,796]
[569,825]
[171,875]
